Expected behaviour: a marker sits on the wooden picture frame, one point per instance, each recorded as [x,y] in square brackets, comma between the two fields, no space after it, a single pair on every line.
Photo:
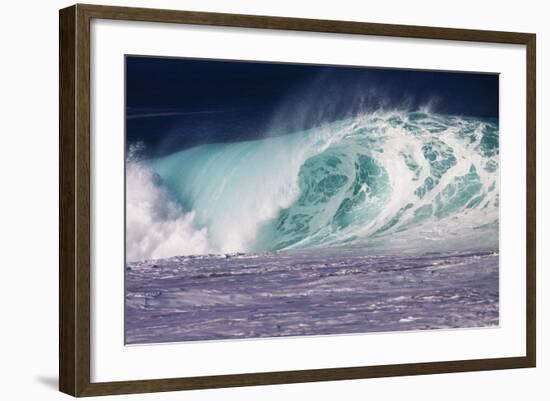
[75,206]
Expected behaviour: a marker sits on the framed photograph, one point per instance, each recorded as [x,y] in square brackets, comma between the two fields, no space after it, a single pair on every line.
[250,200]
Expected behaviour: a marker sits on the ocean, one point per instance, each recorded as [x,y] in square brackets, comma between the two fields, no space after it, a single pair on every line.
[386,221]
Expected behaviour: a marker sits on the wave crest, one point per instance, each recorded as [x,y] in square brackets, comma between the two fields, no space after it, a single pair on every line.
[383,180]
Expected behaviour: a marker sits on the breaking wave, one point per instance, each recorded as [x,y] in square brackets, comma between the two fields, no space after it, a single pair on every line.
[388,181]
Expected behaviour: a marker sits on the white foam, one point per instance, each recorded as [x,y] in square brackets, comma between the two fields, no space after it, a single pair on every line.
[156,227]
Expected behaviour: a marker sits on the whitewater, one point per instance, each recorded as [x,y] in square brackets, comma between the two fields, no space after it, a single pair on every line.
[383,181]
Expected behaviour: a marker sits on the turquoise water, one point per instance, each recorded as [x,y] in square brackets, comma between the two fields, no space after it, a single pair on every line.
[387,180]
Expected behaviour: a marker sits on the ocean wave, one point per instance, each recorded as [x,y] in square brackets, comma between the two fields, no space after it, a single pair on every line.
[386,180]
